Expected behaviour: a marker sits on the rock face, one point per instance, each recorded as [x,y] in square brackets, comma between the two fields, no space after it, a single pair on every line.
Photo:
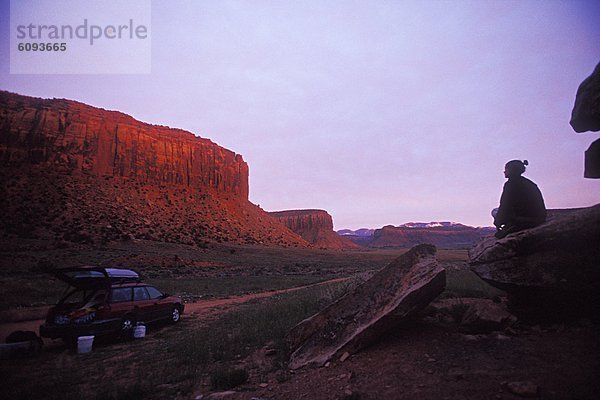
[78,173]
[556,260]
[586,111]
[397,291]
[586,117]
[592,161]
[74,138]
[449,236]
[315,226]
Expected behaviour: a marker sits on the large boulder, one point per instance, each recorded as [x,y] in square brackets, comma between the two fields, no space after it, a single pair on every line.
[555,262]
[586,117]
[399,290]
[592,160]
[586,111]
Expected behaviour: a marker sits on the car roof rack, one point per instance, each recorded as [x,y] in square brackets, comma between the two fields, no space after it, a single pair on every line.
[122,275]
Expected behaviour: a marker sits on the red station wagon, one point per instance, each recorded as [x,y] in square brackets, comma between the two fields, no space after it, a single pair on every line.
[106,301]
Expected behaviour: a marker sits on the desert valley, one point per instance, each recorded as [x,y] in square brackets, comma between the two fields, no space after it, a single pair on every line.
[81,185]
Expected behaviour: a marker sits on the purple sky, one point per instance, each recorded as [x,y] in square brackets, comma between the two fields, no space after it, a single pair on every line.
[380,112]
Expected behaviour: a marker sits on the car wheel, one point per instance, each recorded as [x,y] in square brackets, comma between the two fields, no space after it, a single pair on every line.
[127,325]
[175,315]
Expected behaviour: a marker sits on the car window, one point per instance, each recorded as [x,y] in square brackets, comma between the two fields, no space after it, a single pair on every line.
[120,295]
[95,299]
[75,297]
[140,293]
[154,292]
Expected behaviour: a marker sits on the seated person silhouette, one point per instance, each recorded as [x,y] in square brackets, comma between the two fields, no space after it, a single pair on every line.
[521,204]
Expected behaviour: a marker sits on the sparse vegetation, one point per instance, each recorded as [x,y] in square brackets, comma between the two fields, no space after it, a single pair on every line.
[228,379]
[206,353]
[170,361]
[194,273]
[222,350]
[465,283]
[179,269]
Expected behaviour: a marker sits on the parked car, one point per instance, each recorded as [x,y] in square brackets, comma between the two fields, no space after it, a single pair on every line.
[106,301]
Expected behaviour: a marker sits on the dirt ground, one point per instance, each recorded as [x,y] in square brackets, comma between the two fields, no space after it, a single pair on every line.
[419,360]
[423,360]
[428,362]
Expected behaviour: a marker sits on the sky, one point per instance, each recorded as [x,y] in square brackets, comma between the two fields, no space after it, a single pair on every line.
[380,112]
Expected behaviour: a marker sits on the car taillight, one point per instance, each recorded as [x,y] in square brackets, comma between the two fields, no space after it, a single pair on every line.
[85,318]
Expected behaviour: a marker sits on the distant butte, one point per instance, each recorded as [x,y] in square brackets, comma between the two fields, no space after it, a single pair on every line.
[315,226]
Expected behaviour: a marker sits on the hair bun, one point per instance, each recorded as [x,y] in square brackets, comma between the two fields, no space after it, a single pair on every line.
[525,162]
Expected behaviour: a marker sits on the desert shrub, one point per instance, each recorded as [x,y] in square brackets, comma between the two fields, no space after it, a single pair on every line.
[283,376]
[352,396]
[223,379]
[133,392]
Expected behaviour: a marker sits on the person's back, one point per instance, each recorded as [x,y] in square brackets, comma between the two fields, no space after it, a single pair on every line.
[528,203]
[521,204]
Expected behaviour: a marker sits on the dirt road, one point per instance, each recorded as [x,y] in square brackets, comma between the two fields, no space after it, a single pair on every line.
[235,300]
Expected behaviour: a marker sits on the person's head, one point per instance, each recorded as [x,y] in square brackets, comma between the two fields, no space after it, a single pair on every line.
[515,168]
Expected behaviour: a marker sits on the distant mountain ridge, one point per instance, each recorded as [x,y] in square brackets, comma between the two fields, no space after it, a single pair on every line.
[445,224]
[363,232]
[444,234]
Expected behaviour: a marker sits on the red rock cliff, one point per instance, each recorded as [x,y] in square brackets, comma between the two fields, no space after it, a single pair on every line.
[315,226]
[75,138]
[70,172]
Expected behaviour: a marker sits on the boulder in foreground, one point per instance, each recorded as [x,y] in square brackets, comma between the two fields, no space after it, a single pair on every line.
[586,117]
[399,290]
[586,111]
[552,264]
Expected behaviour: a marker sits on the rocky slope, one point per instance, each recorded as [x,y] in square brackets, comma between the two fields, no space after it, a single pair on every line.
[80,173]
[315,226]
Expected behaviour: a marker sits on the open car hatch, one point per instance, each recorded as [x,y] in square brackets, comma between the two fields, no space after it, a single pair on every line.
[95,277]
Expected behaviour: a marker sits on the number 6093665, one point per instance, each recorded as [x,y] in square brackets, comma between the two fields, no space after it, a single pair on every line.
[26,46]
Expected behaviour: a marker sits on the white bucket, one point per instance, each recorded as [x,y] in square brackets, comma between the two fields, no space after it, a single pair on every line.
[84,344]
[139,331]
